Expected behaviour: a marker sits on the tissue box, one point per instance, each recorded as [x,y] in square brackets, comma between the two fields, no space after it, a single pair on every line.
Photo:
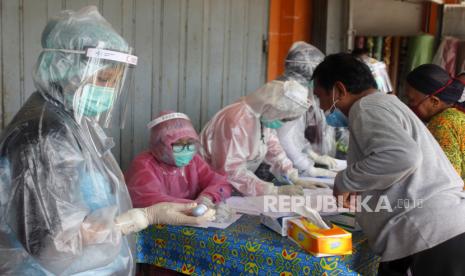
[319,242]
[345,220]
[277,224]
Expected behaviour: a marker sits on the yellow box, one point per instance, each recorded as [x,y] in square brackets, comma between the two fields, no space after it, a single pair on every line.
[317,241]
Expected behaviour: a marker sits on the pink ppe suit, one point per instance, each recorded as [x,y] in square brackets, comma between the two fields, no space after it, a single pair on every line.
[153,176]
[234,140]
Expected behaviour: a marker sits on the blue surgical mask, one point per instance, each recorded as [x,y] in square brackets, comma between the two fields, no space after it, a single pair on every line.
[183,154]
[334,116]
[337,119]
[95,100]
[272,124]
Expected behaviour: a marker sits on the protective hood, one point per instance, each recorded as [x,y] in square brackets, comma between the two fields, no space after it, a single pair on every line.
[278,100]
[167,128]
[301,61]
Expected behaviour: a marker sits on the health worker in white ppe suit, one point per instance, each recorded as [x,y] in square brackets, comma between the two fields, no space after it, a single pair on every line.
[294,136]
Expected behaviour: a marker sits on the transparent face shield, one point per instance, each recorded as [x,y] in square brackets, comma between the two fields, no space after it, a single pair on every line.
[101,94]
[380,74]
[292,104]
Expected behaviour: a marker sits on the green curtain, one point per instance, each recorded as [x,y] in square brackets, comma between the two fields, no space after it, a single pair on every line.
[420,51]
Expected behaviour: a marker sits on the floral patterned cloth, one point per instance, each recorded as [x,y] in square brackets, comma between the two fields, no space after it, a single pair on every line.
[245,248]
[448,127]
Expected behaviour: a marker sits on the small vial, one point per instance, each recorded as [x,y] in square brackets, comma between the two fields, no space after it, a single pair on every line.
[199,210]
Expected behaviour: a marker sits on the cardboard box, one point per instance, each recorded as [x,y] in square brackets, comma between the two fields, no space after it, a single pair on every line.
[277,224]
[345,220]
[319,242]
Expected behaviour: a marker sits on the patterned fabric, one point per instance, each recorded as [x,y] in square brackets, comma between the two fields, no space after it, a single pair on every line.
[245,248]
[448,127]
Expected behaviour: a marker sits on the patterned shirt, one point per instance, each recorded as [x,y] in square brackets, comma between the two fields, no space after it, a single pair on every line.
[448,127]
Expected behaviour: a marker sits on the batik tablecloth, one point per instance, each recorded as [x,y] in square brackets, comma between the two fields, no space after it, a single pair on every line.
[245,248]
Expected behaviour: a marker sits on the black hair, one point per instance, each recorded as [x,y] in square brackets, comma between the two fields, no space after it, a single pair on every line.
[357,52]
[347,69]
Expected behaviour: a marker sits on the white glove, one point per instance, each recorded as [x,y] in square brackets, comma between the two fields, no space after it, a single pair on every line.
[223,212]
[291,190]
[137,219]
[99,227]
[132,221]
[323,160]
[306,184]
[316,172]
[207,201]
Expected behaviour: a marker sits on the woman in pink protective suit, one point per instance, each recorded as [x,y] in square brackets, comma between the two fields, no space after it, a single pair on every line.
[172,170]
[242,135]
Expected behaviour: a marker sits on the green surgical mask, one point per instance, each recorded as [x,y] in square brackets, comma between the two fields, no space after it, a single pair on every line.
[95,99]
[272,124]
[183,155]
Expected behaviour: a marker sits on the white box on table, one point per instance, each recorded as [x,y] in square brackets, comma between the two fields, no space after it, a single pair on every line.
[276,223]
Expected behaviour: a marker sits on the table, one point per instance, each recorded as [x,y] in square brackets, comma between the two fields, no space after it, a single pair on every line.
[245,248]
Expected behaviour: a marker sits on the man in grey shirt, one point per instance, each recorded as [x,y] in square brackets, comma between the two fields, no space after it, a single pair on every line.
[413,209]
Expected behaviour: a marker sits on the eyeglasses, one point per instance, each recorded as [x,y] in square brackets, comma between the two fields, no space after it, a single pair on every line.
[180,148]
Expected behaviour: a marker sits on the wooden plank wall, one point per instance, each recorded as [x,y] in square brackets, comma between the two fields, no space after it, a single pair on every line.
[196,56]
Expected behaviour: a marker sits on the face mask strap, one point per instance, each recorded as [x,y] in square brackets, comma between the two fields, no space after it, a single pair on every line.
[333,106]
[461,81]
[449,82]
[462,98]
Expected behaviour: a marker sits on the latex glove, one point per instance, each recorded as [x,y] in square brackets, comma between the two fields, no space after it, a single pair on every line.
[224,213]
[306,184]
[138,219]
[291,190]
[99,227]
[316,172]
[323,160]
[176,214]
[132,221]
[207,201]
[309,184]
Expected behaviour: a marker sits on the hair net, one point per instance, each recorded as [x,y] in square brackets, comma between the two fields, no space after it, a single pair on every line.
[279,100]
[59,72]
[301,60]
[164,134]
[430,78]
